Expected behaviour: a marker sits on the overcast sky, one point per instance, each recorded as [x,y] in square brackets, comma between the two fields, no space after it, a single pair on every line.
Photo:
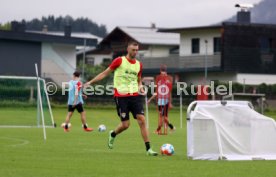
[164,13]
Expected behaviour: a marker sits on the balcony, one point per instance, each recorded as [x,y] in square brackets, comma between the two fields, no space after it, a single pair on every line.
[176,62]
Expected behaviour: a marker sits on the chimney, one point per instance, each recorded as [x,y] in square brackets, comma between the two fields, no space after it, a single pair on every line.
[244,15]
[67,31]
[45,29]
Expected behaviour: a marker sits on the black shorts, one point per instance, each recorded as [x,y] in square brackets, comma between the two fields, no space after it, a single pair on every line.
[78,107]
[163,110]
[133,104]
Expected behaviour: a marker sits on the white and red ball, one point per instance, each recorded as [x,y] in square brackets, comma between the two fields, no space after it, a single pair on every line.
[167,149]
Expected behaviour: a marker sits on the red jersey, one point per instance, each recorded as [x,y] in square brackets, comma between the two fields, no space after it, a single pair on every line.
[164,86]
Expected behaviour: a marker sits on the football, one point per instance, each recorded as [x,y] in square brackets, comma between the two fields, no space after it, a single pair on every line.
[102,128]
[167,149]
[63,125]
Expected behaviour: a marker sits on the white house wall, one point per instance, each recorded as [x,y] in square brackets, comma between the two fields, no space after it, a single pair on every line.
[198,78]
[186,41]
[58,61]
[66,52]
[256,79]
[156,51]
[247,79]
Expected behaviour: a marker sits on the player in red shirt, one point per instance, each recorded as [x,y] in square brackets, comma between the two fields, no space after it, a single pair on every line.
[163,98]
[127,82]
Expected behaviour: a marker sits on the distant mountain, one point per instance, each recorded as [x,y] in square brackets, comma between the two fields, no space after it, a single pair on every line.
[57,24]
[264,12]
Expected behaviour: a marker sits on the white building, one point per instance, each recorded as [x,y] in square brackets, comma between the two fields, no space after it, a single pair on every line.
[238,52]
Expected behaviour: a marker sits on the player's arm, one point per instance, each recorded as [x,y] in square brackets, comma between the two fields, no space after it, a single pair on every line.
[75,100]
[154,94]
[140,84]
[84,96]
[100,76]
[75,97]
[152,97]
[77,89]
[171,88]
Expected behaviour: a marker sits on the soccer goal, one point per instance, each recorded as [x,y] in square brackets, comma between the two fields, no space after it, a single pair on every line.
[20,104]
[229,130]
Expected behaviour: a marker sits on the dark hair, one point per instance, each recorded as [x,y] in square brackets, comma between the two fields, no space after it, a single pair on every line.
[132,42]
[77,74]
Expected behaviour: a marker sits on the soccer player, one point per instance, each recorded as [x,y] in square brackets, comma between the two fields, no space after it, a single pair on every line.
[75,101]
[127,81]
[164,87]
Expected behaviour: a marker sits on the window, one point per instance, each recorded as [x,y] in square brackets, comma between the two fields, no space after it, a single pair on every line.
[141,55]
[265,44]
[217,44]
[195,45]
[90,61]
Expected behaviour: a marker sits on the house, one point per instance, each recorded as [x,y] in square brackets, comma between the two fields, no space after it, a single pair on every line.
[153,44]
[83,35]
[239,51]
[55,55]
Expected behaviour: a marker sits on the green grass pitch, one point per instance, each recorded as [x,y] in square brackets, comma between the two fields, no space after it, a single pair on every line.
[23,153]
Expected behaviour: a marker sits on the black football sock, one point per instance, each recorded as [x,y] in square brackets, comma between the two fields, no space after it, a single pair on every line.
[147,145]
[85,126]
[113,134]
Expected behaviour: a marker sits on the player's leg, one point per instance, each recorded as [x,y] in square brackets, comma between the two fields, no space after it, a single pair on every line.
[165,118]
[119,129]
[164,121]
[80,109]
[143,128]
[68,117]
[170,125]
[123,113]
[137,110]
[159,126]
[84,123]
[122,126]
[145,135]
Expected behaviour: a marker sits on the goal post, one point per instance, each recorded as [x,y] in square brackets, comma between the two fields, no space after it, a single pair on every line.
[229,130]
[20,104]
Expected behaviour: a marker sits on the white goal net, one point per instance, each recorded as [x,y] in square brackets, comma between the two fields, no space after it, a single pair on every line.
[229,130]
[20,104]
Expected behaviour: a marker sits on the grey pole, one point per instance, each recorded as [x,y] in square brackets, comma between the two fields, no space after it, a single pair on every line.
[243,85]
[206,51]
[83,59]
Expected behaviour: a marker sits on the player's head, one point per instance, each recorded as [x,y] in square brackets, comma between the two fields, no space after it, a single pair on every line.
[132,49]
[163,69]
[76,74]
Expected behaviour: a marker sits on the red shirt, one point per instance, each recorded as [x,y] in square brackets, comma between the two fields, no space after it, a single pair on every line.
[164,86]
[79,86]
[115,64]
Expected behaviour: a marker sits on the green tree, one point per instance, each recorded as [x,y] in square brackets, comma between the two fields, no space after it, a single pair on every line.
[91,71]
[6,26]
[57,24]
